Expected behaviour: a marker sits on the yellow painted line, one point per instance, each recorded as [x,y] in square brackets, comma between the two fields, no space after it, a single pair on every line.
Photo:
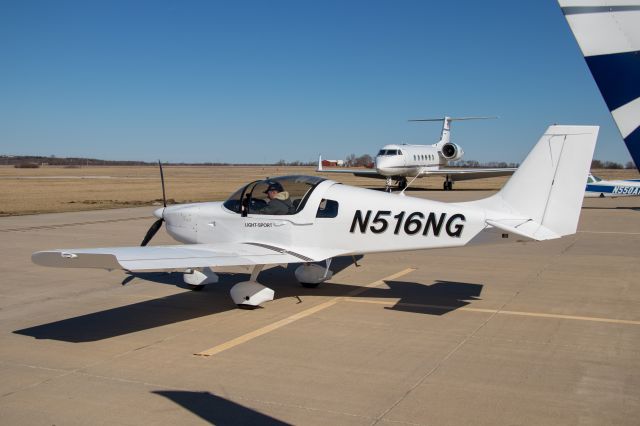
[266,329]
[609,232]
[571,317]
[495,311]
[278,324]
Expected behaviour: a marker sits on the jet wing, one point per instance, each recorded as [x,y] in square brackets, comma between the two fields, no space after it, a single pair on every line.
[468,174]
[175,256]
[370,173]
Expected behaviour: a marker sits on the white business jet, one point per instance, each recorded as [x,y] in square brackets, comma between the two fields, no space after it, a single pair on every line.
[325,219]
[396,163]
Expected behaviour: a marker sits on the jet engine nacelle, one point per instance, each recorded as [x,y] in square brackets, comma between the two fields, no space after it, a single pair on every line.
[451,151]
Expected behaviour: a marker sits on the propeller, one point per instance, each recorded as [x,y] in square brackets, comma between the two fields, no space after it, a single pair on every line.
[158,223]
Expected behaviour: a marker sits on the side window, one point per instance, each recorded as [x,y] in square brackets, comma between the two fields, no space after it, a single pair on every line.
[327,209]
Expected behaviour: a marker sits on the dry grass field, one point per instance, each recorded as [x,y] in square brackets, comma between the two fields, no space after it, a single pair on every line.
[61,189]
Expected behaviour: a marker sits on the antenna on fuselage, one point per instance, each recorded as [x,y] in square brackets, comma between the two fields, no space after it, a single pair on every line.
[445,137]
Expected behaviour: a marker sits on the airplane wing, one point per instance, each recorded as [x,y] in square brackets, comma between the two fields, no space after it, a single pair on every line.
[362,172]
[176,256]
[468,174]
[370,173]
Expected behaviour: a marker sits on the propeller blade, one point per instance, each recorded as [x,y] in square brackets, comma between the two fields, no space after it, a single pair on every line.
[152,231]
[164,197]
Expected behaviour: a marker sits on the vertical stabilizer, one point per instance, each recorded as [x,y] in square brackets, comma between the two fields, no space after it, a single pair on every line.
[608,33]
[445,136]
[548,188]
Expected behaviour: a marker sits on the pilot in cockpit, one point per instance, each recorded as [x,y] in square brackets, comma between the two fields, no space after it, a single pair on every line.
[279,202]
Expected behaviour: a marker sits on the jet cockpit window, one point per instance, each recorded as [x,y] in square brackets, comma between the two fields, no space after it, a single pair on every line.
[389,152]
[284,195]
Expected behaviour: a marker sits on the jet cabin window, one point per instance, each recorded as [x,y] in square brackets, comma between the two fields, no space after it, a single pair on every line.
[284,195]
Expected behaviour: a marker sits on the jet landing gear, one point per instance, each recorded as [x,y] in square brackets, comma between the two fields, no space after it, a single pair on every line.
[401,183]
[448,184]
[387,185]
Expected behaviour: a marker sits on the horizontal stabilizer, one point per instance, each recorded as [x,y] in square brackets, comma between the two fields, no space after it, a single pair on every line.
[527,229]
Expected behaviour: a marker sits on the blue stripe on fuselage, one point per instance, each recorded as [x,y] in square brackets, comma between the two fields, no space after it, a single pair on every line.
[600,188]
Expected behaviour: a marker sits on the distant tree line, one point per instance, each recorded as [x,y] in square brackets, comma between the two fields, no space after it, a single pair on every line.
[282,163]
[472,164]
[366,160]
[597,164]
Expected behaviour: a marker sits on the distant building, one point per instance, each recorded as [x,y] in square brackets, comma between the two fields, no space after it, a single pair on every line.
[333,163]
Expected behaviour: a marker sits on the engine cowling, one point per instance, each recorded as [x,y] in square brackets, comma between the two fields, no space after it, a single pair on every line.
[451,151]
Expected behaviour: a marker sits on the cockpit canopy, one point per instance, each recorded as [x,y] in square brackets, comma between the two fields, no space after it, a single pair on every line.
[253,198]
[390,152]
[593,179]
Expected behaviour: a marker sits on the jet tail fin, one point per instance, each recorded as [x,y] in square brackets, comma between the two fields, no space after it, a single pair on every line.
[543,198]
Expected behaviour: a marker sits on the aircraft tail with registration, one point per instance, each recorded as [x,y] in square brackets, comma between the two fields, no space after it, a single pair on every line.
[608,33]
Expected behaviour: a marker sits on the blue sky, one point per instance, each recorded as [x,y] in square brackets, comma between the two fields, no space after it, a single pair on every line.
[259,81]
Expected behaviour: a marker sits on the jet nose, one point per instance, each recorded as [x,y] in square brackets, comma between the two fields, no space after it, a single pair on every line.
[158,212]
[383,165]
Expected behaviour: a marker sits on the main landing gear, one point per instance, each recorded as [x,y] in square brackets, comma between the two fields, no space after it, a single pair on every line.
[251,294]
[311,275]
[448,184]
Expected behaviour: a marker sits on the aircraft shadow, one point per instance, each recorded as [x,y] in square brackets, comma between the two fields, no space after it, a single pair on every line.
[438,298]
[217,410]
[611,208]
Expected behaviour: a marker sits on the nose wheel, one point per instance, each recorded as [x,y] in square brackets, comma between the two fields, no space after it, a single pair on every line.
[387,187]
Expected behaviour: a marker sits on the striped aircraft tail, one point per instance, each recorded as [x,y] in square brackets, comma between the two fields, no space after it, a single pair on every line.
[608,33]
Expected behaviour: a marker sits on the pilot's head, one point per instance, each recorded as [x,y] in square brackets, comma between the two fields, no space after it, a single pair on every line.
[273,189]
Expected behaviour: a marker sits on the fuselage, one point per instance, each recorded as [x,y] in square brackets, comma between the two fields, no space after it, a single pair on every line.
[408,160]
[339,218]
[597,187]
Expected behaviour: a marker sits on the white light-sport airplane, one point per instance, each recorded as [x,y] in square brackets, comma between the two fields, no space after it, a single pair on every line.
[608,33]
[399,162]
[541,201]
[597,187]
